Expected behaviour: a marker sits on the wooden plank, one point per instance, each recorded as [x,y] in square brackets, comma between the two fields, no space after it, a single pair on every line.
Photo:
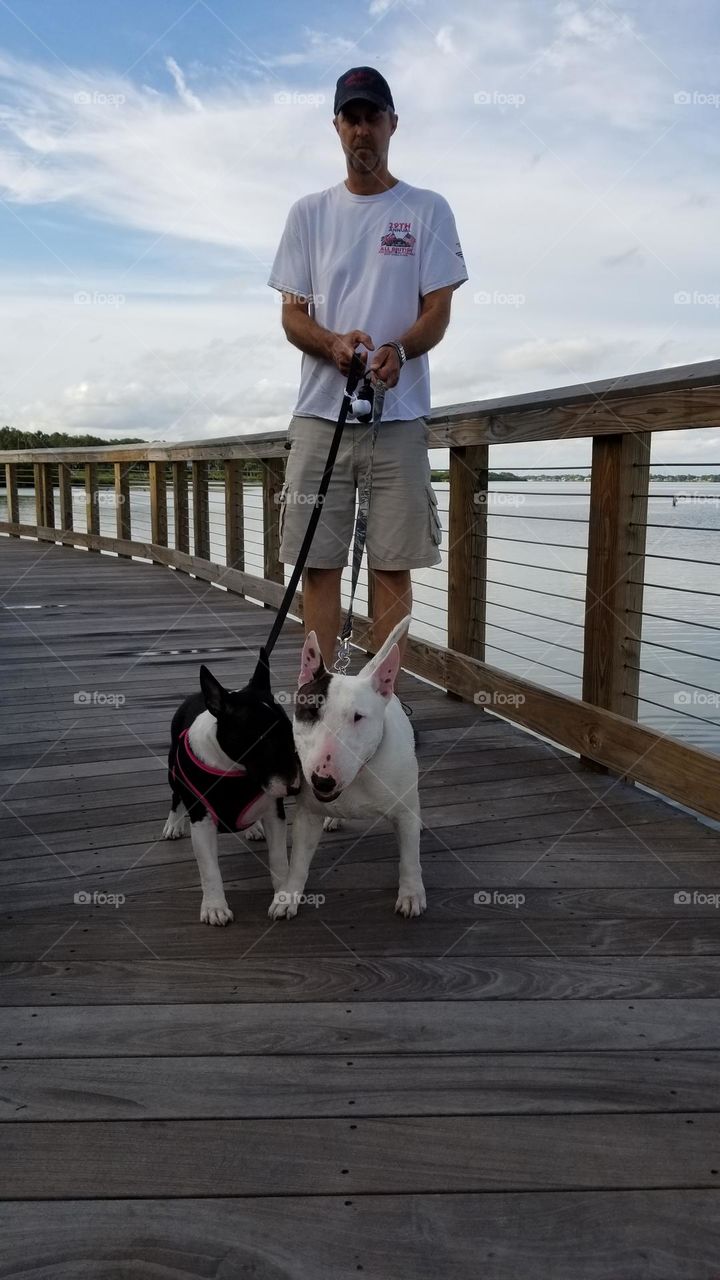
[180,506]
[614,593]
[684,397]
[320,980]
[467,551]
[234,515]
[65,496]
[123,510]
[328,1085]
[92,506]
[158,503]
[613,1235]
[273,473]
[322,1156]
[11,493]
[403,1027]
[201,516]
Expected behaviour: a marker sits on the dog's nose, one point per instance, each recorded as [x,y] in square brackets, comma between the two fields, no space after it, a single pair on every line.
[323,784]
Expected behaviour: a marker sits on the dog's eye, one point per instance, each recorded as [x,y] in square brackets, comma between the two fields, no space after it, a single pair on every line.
[358,717]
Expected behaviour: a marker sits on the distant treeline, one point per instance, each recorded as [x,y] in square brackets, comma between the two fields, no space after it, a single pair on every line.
[14,438]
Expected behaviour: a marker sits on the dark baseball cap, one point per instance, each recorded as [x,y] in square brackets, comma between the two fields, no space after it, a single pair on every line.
[365,83]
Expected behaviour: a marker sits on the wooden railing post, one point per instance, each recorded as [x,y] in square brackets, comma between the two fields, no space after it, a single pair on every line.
[92,506]
[44,498]
[273,476]
[234,515]
[158,504]
[615,571]
[11,491]
[180,506]
[65,496]
[123,515]
[201,510]
[467,549]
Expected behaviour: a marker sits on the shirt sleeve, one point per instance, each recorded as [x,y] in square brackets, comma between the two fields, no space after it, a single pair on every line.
[442,262]
[291,269]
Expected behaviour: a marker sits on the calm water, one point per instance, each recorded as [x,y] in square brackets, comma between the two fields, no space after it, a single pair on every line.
[536,572]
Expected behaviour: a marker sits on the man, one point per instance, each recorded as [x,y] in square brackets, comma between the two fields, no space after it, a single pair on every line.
[368,265]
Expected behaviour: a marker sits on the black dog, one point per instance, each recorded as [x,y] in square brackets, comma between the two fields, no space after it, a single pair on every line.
[232,759]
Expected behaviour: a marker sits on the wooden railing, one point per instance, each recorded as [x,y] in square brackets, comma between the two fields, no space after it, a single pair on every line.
[620,416]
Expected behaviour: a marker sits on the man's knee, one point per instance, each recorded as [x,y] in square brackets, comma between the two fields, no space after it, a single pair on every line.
[323,577]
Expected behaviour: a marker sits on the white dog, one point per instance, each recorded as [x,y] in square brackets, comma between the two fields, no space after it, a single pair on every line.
[357,754]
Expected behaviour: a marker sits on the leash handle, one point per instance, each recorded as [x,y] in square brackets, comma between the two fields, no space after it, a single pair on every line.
[356,371]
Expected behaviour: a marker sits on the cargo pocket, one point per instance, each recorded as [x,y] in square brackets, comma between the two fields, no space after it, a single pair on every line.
[282,508]
[434,516]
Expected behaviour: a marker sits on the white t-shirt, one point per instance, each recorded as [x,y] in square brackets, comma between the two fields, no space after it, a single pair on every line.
[364,262]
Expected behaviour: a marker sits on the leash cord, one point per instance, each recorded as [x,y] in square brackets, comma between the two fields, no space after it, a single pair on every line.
[354,375]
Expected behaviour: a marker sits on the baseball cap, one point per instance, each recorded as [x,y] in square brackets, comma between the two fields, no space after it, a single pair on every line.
[365,83]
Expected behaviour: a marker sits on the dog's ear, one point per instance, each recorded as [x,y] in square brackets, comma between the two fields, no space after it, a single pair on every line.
[261,675]
[311,663]
[382,677]
[213,692]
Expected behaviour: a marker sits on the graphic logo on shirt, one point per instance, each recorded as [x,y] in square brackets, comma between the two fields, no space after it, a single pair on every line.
[398,239]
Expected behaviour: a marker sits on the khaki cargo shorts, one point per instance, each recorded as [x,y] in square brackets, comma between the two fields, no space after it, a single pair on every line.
[403,531]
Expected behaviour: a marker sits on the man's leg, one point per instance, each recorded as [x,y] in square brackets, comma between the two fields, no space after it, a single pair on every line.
[321,611]
[392,602]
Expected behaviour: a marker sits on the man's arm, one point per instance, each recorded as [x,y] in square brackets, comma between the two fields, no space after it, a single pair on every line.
[422,336]
[304,332]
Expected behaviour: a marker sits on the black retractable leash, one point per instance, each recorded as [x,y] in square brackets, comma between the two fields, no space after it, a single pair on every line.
[367,406]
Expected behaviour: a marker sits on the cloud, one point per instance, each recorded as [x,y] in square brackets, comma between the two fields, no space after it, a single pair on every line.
[185,95]
[188,188]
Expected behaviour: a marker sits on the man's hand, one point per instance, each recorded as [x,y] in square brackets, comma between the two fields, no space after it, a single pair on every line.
[342,348]
[386,366]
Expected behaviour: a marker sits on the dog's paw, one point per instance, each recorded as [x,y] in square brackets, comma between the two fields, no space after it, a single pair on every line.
[216,913]
[284,905]
[176,827]
[411,901]
[255,832]
[332,824]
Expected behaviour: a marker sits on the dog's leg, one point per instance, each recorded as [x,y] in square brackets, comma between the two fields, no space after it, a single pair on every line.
[307,829]
[214,909]
[255,832]
[178,822]
[332,824]
[276,828]
[411,891]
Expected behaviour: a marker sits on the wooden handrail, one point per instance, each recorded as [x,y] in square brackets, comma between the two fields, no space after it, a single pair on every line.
[620,415]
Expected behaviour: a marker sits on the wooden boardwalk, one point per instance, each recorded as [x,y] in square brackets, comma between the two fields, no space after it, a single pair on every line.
[504,1089]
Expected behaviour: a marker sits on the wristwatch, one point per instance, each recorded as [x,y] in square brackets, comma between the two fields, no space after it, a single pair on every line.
[398,346]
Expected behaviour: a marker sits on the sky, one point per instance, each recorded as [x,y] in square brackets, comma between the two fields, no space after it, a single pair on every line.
[149,153]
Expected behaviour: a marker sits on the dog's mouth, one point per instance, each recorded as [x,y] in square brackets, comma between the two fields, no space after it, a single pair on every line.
[325,796]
